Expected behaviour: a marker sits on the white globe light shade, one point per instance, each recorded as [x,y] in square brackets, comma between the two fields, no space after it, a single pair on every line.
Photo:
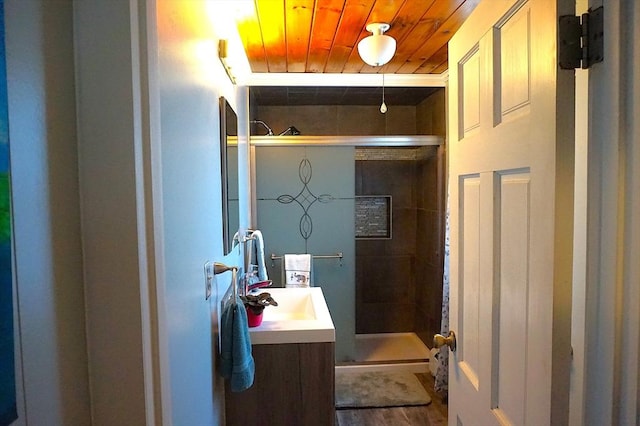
[377,49]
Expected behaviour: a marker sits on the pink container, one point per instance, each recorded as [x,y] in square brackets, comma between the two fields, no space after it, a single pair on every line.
[253,320]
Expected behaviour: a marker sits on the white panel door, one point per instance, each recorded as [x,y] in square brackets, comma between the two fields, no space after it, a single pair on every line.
[511,174]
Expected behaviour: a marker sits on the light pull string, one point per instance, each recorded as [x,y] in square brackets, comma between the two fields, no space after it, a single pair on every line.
[383,107]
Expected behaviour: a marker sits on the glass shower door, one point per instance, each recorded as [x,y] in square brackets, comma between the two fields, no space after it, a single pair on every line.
[305,204]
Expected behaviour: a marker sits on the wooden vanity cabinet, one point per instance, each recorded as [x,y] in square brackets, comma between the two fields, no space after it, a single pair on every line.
[294,385]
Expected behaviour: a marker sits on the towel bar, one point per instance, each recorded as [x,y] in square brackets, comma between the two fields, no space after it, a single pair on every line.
[219,268]
[315,256]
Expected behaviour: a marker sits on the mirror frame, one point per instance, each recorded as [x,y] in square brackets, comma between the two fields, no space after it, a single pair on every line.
[226,115]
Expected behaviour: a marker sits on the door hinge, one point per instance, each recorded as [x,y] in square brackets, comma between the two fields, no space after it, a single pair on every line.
[581,39]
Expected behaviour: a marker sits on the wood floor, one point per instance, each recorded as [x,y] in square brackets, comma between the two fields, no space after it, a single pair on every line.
[429,415]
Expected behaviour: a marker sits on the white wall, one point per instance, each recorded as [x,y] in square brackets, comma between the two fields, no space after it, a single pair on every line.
[39,41]
[152,215]
[191,80]
[119,152]
[109,121]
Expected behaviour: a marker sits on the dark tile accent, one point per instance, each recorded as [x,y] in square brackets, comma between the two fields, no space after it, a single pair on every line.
[385,318]
[387,280]
[428,192]
[372,248]
[404,232]
[313,95]
[395,178]
[423,234]
[400,120]
[399,281]
[309,120]
[360,120]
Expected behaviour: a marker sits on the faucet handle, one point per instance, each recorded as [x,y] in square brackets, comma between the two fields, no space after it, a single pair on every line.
[260,284]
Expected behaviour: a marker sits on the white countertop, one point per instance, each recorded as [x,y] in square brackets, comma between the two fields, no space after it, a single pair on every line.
[302,316]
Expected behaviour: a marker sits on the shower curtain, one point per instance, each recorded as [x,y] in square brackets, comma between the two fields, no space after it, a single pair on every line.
[442,373]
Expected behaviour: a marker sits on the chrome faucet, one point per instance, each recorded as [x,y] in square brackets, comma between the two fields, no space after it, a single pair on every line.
[245,281]
[246,239]
[250,271]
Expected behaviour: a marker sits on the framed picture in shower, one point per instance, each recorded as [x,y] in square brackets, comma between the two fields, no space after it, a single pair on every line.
[373,217]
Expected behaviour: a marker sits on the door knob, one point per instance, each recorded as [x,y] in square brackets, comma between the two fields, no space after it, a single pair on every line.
[439,340]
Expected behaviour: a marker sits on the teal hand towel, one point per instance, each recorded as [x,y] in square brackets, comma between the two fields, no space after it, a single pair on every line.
[236,361]
[226,338]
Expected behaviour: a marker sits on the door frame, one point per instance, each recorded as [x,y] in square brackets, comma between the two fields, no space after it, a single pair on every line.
[612,295]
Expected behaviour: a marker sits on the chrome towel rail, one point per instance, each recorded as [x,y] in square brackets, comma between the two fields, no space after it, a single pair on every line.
[315,256]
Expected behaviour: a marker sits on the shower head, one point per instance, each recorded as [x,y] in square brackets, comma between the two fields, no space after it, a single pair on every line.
[266,126]
[292,130]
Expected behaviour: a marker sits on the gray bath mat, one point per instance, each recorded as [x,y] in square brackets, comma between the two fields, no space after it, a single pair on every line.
[379,389]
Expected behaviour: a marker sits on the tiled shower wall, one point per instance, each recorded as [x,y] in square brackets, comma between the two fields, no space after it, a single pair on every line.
[430,239]
[386,268]
[399,280]
[340,120]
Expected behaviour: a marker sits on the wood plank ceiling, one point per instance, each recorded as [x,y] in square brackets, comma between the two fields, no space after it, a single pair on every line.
[321,36]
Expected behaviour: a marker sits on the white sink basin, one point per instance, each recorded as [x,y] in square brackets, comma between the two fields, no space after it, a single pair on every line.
[301,316]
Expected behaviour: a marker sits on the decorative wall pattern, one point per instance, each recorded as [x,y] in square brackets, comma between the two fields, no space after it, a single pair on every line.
[305,204]
[305,199]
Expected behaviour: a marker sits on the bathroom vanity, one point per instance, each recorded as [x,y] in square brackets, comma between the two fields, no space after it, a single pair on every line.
[294,354]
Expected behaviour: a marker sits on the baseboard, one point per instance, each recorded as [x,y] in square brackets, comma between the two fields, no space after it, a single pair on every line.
[413,367]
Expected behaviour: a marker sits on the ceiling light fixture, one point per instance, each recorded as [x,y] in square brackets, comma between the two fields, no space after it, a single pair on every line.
[377,49]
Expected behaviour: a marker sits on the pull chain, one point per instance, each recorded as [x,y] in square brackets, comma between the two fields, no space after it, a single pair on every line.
[383,107]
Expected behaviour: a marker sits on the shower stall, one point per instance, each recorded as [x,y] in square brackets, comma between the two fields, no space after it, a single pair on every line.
[385,294]
[382,208]
[398,269]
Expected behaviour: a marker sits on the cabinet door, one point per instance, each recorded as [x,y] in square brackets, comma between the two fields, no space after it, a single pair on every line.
[294,385]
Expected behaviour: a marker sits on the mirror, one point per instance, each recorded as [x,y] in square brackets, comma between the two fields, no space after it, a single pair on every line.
[229,173]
